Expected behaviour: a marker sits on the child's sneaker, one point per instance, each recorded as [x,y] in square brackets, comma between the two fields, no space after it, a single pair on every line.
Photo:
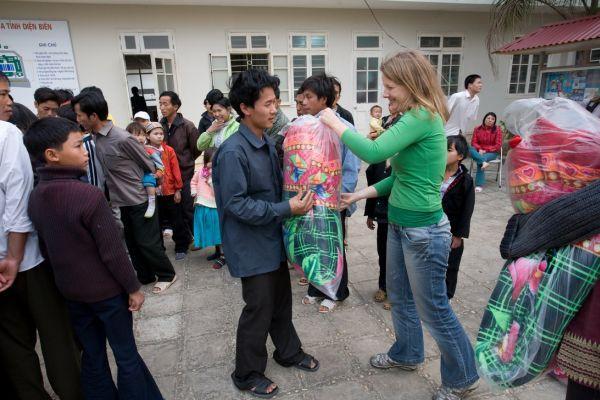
[478,189]
[446,393]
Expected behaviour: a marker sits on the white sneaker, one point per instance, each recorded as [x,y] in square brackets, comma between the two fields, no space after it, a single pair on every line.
[478,189]
[150,211]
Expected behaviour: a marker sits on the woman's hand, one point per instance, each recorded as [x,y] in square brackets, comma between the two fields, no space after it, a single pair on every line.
[215,126]
[329,118]
[347,199]
[177,197]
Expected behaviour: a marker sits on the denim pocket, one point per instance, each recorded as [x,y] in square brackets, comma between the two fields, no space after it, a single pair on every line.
[417,235]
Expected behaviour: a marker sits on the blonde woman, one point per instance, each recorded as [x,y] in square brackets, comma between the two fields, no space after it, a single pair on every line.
[419,232]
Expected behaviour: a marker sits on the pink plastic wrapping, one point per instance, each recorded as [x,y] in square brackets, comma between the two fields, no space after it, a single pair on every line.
[559,152]
[312,161]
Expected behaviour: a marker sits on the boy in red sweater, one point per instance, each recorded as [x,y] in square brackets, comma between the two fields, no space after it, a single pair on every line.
[77,232]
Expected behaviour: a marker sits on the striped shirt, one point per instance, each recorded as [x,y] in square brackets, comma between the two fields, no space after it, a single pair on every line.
[95,174]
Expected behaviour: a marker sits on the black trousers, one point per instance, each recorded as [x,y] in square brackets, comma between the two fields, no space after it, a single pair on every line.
[268,311]
[382,231]
[187,205]
[170,216]
[576,391]
[144,242]
[31,307]
[94,324]
[342,292]
[452,271]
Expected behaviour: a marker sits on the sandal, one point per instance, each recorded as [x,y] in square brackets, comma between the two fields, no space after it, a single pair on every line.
[379,296]
[303,281]
[387,306]
[307,300]
[160,287]
[213,256]
[327,306]
[257,386]
[306,362]
[219,263]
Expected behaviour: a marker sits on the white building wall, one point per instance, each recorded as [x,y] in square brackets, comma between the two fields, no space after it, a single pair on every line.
[199,31]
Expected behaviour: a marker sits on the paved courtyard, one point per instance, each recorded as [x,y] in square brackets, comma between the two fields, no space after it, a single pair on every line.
[187,335]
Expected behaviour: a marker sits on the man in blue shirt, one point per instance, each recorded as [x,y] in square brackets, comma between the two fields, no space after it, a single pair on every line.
[248,186]
[319,94]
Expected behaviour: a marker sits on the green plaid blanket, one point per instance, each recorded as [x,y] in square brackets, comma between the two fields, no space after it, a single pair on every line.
[314,243]
[523,325]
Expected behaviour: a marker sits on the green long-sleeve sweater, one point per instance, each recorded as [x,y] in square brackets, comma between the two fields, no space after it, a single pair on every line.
[417,147]
[207,139]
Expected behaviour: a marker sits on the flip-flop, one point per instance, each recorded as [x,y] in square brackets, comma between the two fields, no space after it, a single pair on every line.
[303,281]
[307,300]
[160,287]
[305,364]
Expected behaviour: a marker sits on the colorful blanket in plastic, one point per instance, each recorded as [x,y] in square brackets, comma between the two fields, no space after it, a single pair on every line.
[533,302]
[536,296]
[314,243]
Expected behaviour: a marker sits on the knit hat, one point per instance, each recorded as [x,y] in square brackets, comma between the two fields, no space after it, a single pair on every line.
[153,125]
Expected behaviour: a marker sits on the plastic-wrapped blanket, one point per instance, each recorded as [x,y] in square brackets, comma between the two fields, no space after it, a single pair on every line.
[314,243]
[536,296]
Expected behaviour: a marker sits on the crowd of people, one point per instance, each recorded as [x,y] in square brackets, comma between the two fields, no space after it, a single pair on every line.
[87,207]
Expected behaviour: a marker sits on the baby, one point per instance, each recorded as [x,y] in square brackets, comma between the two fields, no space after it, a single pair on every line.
[376,123]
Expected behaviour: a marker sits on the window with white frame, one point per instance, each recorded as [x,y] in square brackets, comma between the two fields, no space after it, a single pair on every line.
[367,79]
[445,55]
[248,42]
[308,52]
[368,41]
[524,71]
[141,42]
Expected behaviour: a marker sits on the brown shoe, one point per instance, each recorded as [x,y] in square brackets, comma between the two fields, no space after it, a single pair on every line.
[379,296]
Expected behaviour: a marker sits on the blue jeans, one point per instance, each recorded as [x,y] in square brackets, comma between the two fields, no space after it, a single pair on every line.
[417,259]
[110,319]
[480,159]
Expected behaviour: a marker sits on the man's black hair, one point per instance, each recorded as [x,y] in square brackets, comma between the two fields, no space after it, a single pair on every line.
[173,98]
[135,90]
[93,89]
[22,117]
[209,154]
[223,102]
[91,102]
[44,94]
[4,78]
[66,111]
[64,95]
[322,86]
[213,96]
[460,144]
[470,79]
[48,133]
[245,87]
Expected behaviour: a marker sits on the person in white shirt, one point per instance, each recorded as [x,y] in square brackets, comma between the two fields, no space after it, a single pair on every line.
[463,107]
[30,304]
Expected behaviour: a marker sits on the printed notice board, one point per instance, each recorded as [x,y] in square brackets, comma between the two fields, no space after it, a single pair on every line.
[36,53]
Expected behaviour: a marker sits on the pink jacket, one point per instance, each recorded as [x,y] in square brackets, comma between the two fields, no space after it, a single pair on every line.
[202,189]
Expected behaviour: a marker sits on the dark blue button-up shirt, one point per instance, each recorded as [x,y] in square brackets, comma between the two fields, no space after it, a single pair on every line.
[248,185]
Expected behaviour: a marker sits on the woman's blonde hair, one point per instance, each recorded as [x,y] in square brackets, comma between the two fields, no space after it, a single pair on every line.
[410,69]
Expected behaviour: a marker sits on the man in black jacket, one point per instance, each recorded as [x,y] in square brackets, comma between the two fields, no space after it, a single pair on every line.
[458,201]
[345,114]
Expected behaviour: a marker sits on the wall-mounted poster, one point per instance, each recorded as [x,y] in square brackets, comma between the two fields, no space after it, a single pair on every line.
[36,53]
[577,85]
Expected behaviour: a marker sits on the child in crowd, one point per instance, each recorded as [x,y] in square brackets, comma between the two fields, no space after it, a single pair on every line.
[150,181]
[169,194]
[376,123]
[458,200]
[79,234]
[206,219]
